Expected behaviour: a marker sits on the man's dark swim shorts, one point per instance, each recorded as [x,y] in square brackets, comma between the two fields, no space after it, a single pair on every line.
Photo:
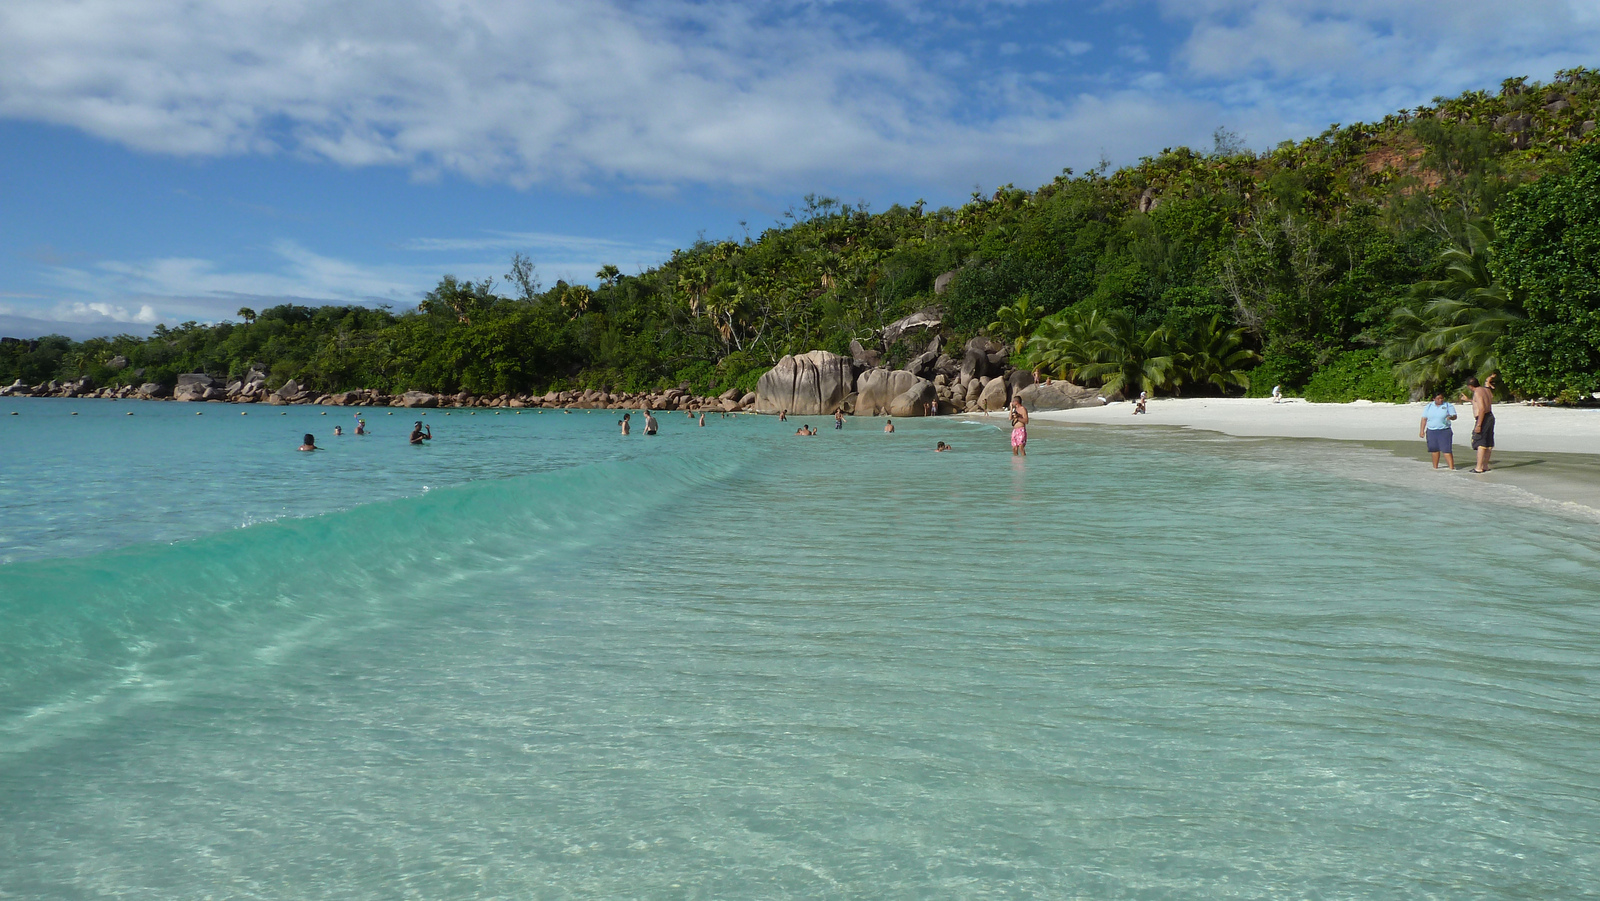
[1484,435]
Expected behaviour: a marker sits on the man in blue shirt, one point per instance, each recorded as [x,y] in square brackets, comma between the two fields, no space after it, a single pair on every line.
[1436,418]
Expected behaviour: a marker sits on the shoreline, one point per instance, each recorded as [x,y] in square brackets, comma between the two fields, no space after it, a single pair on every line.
[1550,453]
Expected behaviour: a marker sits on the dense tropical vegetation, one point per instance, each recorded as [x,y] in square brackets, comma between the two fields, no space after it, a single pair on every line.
[1369,261]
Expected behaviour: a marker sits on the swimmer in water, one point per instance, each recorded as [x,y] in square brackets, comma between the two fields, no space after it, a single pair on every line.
[649,423]
[889,426]
[361,426]
[626,425]
[702,420]
[337,431]
[942,448]
[310,443]
[421,433]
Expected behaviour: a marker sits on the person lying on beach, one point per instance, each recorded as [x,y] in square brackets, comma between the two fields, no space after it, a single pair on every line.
[889,426]
[310,443]
[421,433]
[942,448]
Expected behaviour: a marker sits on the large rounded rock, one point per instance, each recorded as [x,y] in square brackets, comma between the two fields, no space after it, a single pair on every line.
[877,389]
[419,399]
[914,401]
[1059,396]
[994,396]
[812,384]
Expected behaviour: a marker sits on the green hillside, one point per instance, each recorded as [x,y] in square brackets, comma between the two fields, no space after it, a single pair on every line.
[1370,260]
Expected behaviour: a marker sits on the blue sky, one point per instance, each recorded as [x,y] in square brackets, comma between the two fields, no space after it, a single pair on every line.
[164,162]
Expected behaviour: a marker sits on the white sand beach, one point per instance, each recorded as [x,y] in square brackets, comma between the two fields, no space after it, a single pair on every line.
[1549,452]
[1518,428]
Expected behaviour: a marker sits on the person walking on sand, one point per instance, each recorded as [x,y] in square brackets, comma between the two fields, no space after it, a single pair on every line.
[627,427]
[1019,429]
[1435,426]
[1277,394]
[1482,422]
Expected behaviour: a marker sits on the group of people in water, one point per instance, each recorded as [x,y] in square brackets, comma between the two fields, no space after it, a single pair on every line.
[1017,411]
[419,434]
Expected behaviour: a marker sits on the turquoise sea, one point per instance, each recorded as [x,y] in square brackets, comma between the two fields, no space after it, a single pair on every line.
[536,660]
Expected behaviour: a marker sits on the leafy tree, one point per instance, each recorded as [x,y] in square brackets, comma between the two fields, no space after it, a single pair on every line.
[1015,323]
[1452,327]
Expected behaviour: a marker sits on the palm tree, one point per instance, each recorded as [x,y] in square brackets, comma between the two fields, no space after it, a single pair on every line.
[1015,323]
[1213,356]
[1450,327]
[1130,360]
[1065,342]
[608,274]
[247,314]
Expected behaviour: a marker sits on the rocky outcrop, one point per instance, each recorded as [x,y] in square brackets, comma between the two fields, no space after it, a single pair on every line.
[193,386]
[153,389]
[941,284]
[994,395]
[863,356]
[877,389]
[1059,396]
[811,384]
[419,399]
[914,401]
[981,357]
[925,318]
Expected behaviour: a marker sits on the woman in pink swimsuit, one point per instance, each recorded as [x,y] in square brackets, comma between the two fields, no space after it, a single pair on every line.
[1019,429]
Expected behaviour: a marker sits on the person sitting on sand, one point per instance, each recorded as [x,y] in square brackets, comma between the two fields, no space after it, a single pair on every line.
[1138,405]
[421,433]
[310,442]
[889,426]
[1436,419]
[626,425]
[942,448]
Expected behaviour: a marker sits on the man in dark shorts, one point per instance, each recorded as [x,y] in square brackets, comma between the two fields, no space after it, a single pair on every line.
[1482,422]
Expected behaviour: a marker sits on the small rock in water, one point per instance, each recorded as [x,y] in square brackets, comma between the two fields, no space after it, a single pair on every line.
[74,412]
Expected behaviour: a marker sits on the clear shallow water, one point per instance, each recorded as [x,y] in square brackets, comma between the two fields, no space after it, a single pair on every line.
[733,664]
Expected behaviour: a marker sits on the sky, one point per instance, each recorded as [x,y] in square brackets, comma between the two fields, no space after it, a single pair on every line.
[164,162]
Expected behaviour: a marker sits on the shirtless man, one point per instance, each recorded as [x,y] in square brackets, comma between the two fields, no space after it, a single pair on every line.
[1019,429]
[649,422]
[1482,422]
[889,426]
[418,435]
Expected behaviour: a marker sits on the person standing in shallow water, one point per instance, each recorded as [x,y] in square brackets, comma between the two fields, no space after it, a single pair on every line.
[1482,422]
[310,443]
[626,426]
[889,426]
[421,433]
[1436,419]
[1019,429]
[649,422]
[838,419]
